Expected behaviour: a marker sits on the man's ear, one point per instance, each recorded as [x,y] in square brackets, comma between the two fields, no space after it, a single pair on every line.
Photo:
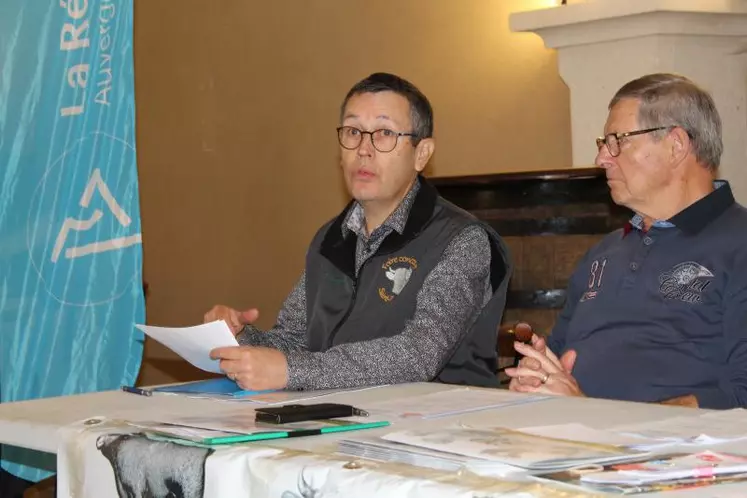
[423,153]
[679,144]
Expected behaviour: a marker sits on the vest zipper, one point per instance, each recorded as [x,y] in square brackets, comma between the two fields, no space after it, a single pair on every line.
[349,310]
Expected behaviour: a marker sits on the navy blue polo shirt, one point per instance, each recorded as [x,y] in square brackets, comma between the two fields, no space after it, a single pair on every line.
[662,313]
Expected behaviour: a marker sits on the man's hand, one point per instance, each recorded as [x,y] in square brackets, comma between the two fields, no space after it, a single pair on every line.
[253,368]
[553,375]
[540,345]
[235,319]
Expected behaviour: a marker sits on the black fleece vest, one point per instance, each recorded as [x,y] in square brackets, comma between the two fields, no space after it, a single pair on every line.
[342,308]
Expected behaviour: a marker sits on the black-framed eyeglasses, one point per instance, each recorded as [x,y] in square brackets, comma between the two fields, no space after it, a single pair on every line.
[383,140]
[612,140]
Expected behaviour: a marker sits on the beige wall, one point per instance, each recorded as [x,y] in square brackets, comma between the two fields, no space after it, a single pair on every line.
[237,102]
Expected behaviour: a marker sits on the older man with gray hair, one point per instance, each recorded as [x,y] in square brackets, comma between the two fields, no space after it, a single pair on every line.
[657,311]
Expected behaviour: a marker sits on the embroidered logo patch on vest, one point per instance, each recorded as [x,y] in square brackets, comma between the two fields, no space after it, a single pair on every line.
[685,281]
[398,270]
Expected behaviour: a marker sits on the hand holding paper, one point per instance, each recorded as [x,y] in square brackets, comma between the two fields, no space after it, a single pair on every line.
[194,343]
[254,367]
[235,319]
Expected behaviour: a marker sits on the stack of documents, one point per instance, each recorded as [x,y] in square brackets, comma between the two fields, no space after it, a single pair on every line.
[241,427]
[705,464]
[514,448]
[489,445]
[374,448]
[387,451]
[664,473]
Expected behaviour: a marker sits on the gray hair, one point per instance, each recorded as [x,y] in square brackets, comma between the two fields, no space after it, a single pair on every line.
[670,99]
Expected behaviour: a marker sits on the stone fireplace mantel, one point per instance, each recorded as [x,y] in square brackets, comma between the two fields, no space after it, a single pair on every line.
[602,44]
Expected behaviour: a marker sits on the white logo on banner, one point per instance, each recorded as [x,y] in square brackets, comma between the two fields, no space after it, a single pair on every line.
[95,183]
[79,235]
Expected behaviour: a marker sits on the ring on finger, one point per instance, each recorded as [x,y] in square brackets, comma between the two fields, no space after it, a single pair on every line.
[545,378]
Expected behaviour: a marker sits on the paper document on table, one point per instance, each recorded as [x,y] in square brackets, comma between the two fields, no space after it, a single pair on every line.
[240,425]
[194,343]
[513,448]
[443,403]
[376,448]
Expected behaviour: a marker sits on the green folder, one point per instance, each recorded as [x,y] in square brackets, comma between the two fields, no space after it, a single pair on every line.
[207,437]
[282,434]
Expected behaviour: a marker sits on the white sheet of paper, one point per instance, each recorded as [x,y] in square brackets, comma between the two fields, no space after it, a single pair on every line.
[194,343]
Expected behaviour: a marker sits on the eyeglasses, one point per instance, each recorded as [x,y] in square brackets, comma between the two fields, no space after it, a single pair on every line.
[383,140]
[612,140]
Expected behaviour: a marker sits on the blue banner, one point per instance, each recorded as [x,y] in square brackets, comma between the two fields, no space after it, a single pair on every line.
[71,284]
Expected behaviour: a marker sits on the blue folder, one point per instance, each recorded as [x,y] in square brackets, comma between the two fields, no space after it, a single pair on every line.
[214,387]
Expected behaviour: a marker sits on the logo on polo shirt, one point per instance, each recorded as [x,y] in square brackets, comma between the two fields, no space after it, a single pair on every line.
[596,272]
[398,270]
[685,282]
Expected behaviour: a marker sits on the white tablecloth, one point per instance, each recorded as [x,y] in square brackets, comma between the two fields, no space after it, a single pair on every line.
[276,467]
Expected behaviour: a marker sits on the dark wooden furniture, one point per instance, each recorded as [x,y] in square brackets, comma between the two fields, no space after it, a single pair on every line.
[549,219]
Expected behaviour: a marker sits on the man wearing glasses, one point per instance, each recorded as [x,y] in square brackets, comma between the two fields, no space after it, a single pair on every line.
[657,311]
[400,287]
